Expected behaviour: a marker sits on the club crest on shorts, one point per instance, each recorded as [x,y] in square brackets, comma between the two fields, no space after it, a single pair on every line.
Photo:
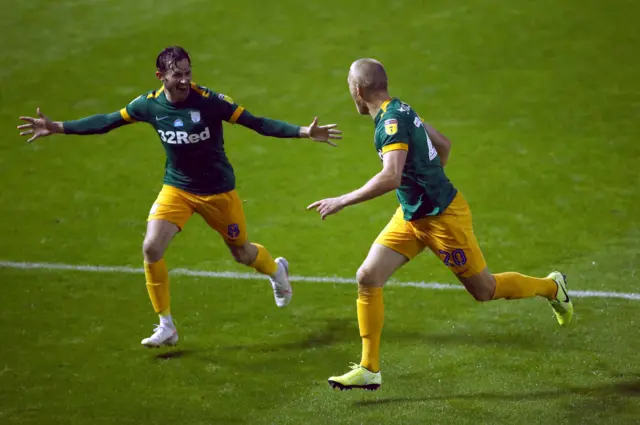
[195,116]
[233,231]
[391,127]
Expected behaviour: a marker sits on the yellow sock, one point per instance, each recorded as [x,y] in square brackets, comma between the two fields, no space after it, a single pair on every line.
[264,261]
[157,277]
[513,286]
[370,321]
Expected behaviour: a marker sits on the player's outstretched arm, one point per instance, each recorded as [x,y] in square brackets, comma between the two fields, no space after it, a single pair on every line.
[385,181]
[42,126]
[281,129]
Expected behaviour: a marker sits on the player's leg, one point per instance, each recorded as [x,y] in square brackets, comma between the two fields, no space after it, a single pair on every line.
[451,237]
[395,245]
[168,215]
[258,257]
[252,255]
[225,214]
[377,268]
[485,286]
[159,234]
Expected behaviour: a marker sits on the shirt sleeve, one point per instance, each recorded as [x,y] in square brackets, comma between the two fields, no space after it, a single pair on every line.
[225,107]
[136,110]
[392,134]
[95,124]
[268,126]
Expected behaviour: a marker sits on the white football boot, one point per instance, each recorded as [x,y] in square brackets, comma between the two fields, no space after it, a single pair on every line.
[162,335]
[282,291]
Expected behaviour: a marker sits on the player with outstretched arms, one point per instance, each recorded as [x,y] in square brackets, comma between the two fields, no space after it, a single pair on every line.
[198,176]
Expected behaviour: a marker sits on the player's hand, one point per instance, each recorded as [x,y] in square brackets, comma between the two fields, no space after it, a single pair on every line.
[321,133]
[38,127]
[327,206]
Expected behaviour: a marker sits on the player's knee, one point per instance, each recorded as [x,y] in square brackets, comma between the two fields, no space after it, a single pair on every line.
[483,290]
[152,250]
[367,277]
[481,286]
[481,294]
[242,256]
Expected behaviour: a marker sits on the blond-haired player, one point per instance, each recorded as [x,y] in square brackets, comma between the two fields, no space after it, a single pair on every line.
[432,214]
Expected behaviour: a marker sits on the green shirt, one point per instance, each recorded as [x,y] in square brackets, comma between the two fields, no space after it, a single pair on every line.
[425,189]
[190,132]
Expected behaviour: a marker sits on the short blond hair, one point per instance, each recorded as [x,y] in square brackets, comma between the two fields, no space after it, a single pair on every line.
[369,74]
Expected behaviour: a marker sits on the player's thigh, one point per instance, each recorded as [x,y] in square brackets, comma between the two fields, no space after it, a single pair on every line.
[225,214]
[173,205]
[398,235]
[450,236]
[168,215]
[379,266]
[393,247]
[159,234]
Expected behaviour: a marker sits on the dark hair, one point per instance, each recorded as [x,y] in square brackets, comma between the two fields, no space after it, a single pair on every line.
[169,56]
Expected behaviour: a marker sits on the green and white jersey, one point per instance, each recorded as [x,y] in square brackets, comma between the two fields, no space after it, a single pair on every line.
[425,189]
[191,134]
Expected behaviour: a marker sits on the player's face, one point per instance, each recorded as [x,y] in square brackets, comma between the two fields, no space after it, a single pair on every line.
[177,80]
[355,91]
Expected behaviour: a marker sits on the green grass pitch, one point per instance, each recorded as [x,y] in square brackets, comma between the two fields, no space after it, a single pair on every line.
[541,102]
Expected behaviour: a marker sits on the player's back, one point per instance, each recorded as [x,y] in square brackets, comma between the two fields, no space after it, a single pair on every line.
[425,189]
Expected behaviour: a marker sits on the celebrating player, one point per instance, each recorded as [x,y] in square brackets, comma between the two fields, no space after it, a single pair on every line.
[198,176]
[432,214]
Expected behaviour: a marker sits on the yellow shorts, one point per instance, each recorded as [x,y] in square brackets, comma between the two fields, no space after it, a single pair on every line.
[222,212]
[449,235]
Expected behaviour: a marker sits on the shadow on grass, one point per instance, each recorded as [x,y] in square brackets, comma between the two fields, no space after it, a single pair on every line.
[335,331]
[340,330]
[523,341]
[629,388]
[175,354]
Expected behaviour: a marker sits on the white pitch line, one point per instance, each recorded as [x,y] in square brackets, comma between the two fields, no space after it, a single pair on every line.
[253,276]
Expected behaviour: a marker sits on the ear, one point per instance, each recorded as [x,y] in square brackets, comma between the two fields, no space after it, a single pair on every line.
[359,90]
[159,75]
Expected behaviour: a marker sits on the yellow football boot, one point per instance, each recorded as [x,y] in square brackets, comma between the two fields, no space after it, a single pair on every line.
[359,377]
[562,305]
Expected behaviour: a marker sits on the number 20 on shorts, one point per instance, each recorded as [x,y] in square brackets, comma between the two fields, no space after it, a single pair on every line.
[453,258]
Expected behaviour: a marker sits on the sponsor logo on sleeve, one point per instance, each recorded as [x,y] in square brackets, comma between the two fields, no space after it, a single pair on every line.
[225,98]
[391,127]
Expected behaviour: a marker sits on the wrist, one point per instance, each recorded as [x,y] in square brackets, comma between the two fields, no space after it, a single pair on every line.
[58,127]
[303,133]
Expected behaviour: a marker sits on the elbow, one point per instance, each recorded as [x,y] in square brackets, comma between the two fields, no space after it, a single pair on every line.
[394,181]
[261,130]
[444,152]
[447,145]
[444,145]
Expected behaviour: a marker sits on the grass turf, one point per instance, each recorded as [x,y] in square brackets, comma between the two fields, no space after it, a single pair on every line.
[540,100]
